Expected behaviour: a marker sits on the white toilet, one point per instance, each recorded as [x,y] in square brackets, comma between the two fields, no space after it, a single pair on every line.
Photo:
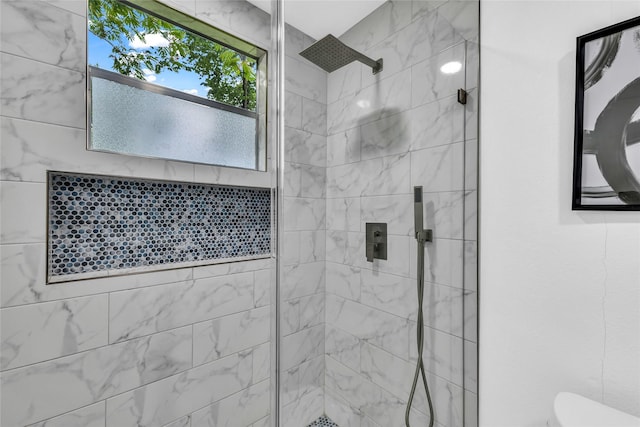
[573,410]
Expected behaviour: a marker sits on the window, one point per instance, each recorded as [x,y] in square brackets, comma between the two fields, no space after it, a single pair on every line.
[165,85]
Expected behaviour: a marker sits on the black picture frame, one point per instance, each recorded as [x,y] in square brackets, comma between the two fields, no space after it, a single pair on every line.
[606,166]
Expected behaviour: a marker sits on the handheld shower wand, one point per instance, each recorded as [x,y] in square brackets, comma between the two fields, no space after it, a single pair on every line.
[422,236]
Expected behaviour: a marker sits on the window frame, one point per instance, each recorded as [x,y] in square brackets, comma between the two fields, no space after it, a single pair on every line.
[215,35]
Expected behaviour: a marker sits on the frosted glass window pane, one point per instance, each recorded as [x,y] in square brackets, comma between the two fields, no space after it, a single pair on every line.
[133,121]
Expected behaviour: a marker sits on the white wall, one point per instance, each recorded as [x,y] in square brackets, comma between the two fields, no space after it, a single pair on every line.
[560,290]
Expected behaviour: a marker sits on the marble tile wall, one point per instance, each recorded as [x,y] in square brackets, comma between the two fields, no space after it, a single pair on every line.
[179,348]
[385,134]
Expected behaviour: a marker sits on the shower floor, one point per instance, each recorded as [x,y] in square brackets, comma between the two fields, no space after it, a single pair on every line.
[323,421]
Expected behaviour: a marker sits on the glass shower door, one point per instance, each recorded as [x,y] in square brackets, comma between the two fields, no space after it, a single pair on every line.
[356,144]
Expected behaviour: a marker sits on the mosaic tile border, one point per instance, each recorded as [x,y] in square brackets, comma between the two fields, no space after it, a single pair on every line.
[106,226]
[323,421]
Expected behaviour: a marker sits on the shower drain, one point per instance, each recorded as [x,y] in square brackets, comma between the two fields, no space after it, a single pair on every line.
[323,421]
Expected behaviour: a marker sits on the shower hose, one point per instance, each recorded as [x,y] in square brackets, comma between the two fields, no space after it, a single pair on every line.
[420,364]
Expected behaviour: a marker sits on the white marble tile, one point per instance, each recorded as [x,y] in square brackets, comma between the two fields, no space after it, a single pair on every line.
[439,168]
[261,362]
[295,41]
[312,181]
[305,79]
[226,335]
[343,347]
[180,422]
[380,176]
[344,81]
[396,211]
[89,416]
[391,95]
[37,91]
[394,376]
[464,15]
[79,7]
[429,83]
[240,409]
[350,249]
[176,396]
[398,252]
[302,279]
[303,411]
[386,20]
[343,248]
[302,346]
[240,18]
[27,395]
[387,136]
[443,213]
[314,116]
[23,212]
[369,324]
[264,422]
[292,184]
[343,147]
[443,262]
[471,165]
[24,278]
[312,246]
[340,411]
[304,214]
[443,308]
[363,395]
[216,270]
[45,33]
[433,33]
[311,376]
[31,148]
[305,147]
[343,214]
[291,248]
[423,7]
[144,311]
[289,316]
[343,280]
[443,354]
[231,176]
[262,288]
[436,123]
[312,310]
[38,332]
[293,110]
[388,292]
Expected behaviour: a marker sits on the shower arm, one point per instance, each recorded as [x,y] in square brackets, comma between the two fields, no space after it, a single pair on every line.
[376,66]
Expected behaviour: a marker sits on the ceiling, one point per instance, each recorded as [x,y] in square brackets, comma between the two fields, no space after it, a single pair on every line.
[318,18]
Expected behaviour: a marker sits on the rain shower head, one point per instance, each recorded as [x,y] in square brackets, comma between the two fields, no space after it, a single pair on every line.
[330,54]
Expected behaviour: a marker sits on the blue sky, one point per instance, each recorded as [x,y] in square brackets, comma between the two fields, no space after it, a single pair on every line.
[189,82]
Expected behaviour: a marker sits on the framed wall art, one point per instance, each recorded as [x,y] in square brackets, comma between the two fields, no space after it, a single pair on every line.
[606,170]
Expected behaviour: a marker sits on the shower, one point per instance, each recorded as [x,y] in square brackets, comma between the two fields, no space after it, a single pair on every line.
[330,54]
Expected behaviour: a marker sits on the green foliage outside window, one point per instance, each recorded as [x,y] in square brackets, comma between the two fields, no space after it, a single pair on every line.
[228,76]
